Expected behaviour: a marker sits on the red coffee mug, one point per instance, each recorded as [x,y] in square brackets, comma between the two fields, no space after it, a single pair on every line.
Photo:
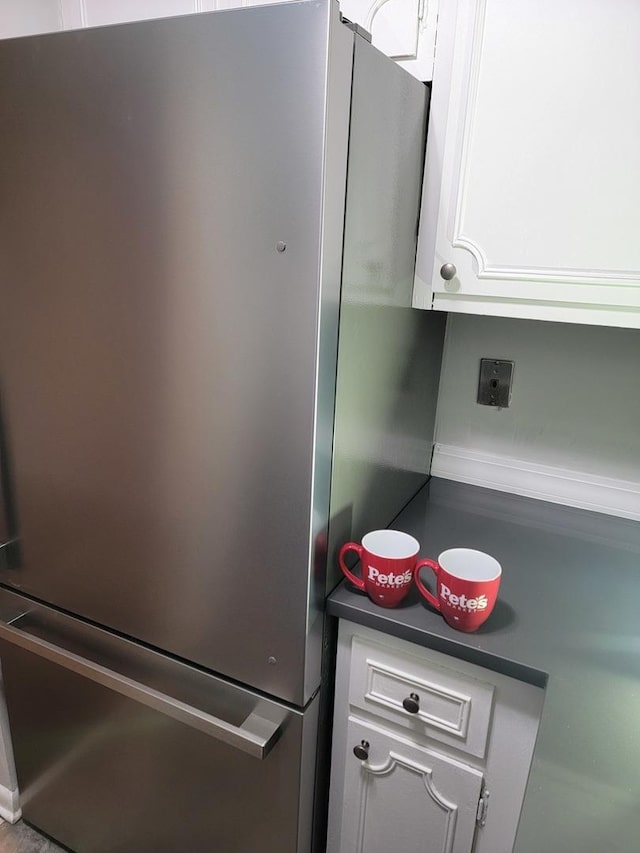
[388,560]
[467,584]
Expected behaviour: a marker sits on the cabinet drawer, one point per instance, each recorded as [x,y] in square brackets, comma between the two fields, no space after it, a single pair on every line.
[451,708]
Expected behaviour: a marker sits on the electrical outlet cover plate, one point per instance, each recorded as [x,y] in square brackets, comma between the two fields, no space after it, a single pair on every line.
[494,386]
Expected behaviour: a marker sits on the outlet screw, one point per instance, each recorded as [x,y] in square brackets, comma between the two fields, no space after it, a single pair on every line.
[281,246]
[271,660]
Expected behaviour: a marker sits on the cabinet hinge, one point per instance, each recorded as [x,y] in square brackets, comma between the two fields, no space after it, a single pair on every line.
[483,807]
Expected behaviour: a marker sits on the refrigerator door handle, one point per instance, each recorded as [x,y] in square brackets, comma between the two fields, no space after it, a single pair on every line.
[8,540]
[256,735]
[6,552]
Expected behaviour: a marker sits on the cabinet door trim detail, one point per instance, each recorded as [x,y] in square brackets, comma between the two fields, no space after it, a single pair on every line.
[393,761]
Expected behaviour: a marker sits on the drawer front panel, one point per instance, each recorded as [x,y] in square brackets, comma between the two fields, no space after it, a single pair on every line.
[449,708]
[103,773]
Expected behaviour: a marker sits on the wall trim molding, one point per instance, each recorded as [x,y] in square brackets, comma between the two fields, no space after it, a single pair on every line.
[547,483]
[10,804]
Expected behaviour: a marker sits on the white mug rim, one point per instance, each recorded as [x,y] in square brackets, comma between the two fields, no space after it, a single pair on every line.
[484,569]
[390,544]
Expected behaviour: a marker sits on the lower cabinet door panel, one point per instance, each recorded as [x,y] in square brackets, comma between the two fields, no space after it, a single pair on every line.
[399,796]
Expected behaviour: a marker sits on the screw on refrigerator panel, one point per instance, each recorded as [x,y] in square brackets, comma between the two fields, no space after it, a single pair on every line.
[281,246]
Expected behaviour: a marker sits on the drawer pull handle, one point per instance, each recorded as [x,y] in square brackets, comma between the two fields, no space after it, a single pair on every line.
[412,703]
[256,735]
[361,751]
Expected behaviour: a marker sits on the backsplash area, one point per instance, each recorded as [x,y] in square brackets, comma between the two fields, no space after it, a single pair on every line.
[572,431]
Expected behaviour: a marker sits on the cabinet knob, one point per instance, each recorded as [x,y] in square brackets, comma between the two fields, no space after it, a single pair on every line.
[411,703]
[361,751]
[448,271]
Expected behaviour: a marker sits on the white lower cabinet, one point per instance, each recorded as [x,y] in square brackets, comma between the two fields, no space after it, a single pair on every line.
[430,754]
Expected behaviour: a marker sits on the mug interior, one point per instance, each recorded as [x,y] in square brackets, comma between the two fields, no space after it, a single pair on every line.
[390,544]
[470,565]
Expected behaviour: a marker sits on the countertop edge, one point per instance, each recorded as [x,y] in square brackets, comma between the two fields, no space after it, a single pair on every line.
[461,649]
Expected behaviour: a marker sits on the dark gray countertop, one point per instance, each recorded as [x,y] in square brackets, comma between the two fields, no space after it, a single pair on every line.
[568,611]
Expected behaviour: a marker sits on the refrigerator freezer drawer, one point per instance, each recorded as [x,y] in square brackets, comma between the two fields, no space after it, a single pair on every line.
[119,748]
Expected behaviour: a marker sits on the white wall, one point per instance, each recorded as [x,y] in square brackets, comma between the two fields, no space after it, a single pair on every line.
[572,431]
[27,17]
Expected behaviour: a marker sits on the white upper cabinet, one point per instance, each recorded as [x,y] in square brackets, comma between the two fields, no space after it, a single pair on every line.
[532,185]
[405,30]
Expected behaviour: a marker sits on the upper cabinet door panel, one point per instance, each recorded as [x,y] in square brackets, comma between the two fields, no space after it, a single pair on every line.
[404,30]
[532,163]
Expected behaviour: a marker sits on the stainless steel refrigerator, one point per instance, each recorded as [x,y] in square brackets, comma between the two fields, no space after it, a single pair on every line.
[210,376]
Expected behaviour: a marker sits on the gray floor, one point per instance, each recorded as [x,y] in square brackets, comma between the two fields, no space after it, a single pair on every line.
[20,838]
